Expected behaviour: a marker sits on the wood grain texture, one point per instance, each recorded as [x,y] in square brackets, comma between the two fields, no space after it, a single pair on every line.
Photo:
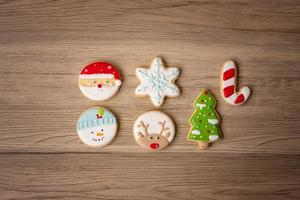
[43,46]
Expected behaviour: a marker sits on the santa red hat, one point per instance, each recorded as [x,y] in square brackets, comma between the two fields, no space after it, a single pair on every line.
[100,70]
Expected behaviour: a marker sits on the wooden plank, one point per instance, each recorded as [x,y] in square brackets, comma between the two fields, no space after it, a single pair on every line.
[44,45]
[183,176]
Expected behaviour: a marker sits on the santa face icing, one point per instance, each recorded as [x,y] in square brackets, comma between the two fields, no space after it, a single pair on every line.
[154,130]
[97,126]
[99,81]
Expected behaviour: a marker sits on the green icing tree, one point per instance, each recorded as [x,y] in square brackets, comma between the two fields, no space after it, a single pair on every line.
[205,122]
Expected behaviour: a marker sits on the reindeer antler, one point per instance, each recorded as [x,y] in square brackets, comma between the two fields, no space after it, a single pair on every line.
[163,128]
[145,127]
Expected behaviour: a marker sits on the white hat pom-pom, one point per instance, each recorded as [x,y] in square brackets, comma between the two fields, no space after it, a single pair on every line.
[118,82]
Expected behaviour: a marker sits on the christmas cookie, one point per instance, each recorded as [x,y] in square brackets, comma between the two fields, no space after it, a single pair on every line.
[154,130]
[228,81]
[205,122]
[97,126]
[157,82]
[99,81]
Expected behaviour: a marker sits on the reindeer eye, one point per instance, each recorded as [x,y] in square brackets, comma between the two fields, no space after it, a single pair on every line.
[158,137]
[151,137]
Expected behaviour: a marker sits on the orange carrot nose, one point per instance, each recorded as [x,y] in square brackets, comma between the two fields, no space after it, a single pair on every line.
[99,134]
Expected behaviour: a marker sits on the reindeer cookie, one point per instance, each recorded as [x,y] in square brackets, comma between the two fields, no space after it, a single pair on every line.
[154,130]
[97,126]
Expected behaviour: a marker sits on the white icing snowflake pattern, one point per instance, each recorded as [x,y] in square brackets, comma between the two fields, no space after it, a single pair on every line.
[157,82]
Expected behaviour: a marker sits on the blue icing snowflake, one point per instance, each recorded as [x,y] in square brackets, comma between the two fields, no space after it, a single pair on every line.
[157,82]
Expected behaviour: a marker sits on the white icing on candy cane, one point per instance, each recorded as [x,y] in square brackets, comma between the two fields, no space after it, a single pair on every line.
[228,81]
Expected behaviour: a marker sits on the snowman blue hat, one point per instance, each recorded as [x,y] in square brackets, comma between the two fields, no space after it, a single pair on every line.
[94,117]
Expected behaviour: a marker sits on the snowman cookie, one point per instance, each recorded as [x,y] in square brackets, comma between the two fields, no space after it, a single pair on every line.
[158,82]
[99,81]
[154,130]
[97,126]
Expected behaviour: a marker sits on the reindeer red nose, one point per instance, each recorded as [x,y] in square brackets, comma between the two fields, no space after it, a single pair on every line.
[99,86]
[154,146]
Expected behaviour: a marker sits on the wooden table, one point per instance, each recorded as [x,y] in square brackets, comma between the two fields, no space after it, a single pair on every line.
[44,45]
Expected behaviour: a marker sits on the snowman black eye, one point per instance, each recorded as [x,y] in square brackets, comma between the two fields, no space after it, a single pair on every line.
[101,129]
[92,132]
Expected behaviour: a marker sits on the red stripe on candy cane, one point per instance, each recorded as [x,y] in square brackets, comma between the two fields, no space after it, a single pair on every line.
[239,99]
[228,74]
[228,91]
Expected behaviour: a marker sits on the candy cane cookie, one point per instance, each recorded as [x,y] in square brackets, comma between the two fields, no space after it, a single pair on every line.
[228,85]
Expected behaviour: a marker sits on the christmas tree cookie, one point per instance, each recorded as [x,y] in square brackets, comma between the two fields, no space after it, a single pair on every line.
[205,122]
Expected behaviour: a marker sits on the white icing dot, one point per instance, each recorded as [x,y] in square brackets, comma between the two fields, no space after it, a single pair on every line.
[209,98]
[196,132]
[86,70]
[109,67]
[213,121]
[213,137]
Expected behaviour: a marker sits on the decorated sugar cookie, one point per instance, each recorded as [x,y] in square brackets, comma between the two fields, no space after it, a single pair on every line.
[205,122]
[99,81]
[157,82]
[97,126]
[228,81]
[154,130]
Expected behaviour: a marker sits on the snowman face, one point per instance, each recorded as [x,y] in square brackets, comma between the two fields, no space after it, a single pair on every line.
[99,93]
[98,136]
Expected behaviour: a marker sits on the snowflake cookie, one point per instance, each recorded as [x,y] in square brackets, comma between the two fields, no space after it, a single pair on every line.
[157,82]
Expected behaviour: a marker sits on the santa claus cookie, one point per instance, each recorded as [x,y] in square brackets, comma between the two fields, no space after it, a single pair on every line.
[228,82]
[97,126]
[99,81]
[157,82]
[154,130]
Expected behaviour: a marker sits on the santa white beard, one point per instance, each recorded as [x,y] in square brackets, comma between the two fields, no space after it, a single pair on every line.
[99,94]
